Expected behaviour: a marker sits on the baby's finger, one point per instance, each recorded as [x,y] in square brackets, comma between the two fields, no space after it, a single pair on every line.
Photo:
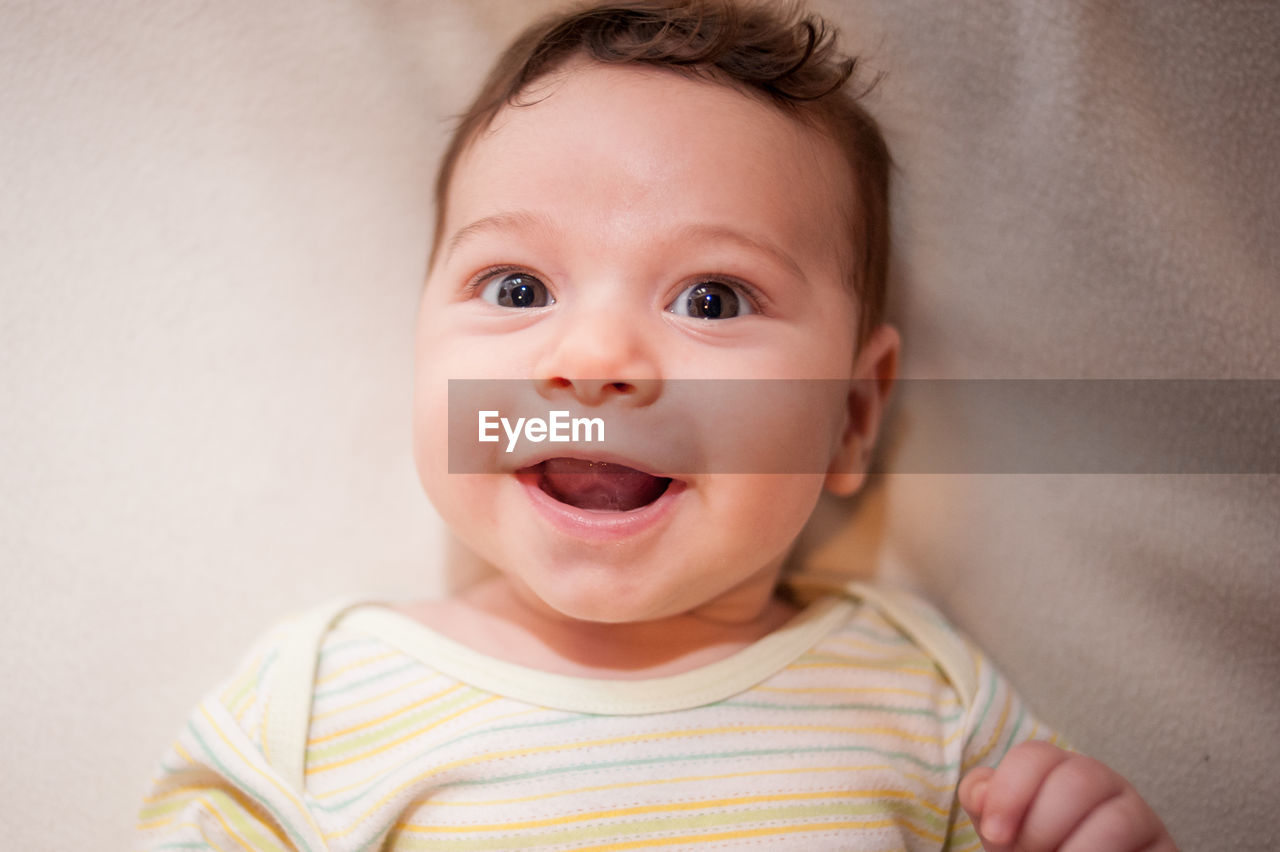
[973,792]
[1068,794]
[1123,823]
[1013,787]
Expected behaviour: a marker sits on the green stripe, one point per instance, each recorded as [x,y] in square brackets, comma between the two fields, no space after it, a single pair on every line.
[949,768]
[155,810]
[982,717]
[1013,732]
[321,694]
[681,757]
[253,832]
[966,836]
[257,836]
[241,785]
[481,732]
[338,646]
[895,665]
[575,718]
[789,818]
[875,708]
[685,757]
[252,678]
[370,739]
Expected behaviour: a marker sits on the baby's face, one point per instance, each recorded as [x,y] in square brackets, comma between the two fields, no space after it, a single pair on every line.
[628,229]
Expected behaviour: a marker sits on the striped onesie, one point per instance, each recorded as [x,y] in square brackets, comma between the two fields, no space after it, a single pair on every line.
[358,728]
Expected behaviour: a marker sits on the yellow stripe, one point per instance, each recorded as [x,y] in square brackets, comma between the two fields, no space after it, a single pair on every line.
[945,790]
[703,732]
[737,835]
[211,800]
[338,711]
[972,847]
[157,798]
[369,779]
[189,791]
[948,695]
[208,806]
[205,838]
[155,813]
[248,678]
[657,735]
[920,832]
[483,722]
[287,793]
[243,711]
[368,661]
[262,729]
[669,807]
[245,817]
[922,781]
[416,732]
[996,735]
[624,785]
[183,753]
[867,645]
[372,722]
[931,674]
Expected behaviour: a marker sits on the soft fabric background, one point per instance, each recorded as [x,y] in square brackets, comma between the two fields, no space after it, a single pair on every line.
[212,232]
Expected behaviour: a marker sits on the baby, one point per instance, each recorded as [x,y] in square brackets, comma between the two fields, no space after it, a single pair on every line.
[645,192]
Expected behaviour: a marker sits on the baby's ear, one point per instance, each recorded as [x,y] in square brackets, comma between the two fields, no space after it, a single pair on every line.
[874,371]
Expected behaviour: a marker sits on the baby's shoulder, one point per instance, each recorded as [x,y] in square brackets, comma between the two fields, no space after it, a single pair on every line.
[280,664]
[901,635]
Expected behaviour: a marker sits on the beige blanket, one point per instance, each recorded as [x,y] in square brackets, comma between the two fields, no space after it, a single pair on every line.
[1089,190]
[213,229]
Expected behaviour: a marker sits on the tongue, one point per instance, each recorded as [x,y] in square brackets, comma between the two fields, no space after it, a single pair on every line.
[600,486]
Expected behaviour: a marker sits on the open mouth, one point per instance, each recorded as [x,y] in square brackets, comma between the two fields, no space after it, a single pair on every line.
[597,486]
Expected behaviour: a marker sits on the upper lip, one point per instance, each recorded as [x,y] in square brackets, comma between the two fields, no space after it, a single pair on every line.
[533,459]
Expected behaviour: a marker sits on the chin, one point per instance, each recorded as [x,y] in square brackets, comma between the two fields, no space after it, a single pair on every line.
[598,603]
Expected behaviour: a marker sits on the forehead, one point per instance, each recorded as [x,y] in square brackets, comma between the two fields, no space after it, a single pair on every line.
[612,152]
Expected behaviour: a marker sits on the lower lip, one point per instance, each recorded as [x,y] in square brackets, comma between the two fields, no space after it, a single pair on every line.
[599,526]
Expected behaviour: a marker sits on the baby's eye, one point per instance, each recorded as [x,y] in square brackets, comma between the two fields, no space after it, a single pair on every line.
[517,290]
[710,300]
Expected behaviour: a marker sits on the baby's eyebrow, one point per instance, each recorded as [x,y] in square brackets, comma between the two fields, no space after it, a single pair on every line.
[509,220]
[527,220]
[701,231]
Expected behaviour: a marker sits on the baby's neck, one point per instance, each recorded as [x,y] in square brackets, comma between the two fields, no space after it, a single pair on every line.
[495,619]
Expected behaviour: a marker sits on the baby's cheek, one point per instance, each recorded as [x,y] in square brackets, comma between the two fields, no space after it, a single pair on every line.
[771,509]
[430,441]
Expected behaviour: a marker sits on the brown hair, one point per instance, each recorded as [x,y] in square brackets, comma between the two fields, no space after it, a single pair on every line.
[768,49]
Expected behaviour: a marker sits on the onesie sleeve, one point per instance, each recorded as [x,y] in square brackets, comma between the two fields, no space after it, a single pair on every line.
[995,721]
[993,718]
[215,788]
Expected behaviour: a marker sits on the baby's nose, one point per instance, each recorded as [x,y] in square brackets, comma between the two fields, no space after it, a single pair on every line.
[597,391]
[601,357]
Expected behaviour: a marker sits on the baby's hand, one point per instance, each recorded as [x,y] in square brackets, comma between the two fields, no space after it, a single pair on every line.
[1041,797]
